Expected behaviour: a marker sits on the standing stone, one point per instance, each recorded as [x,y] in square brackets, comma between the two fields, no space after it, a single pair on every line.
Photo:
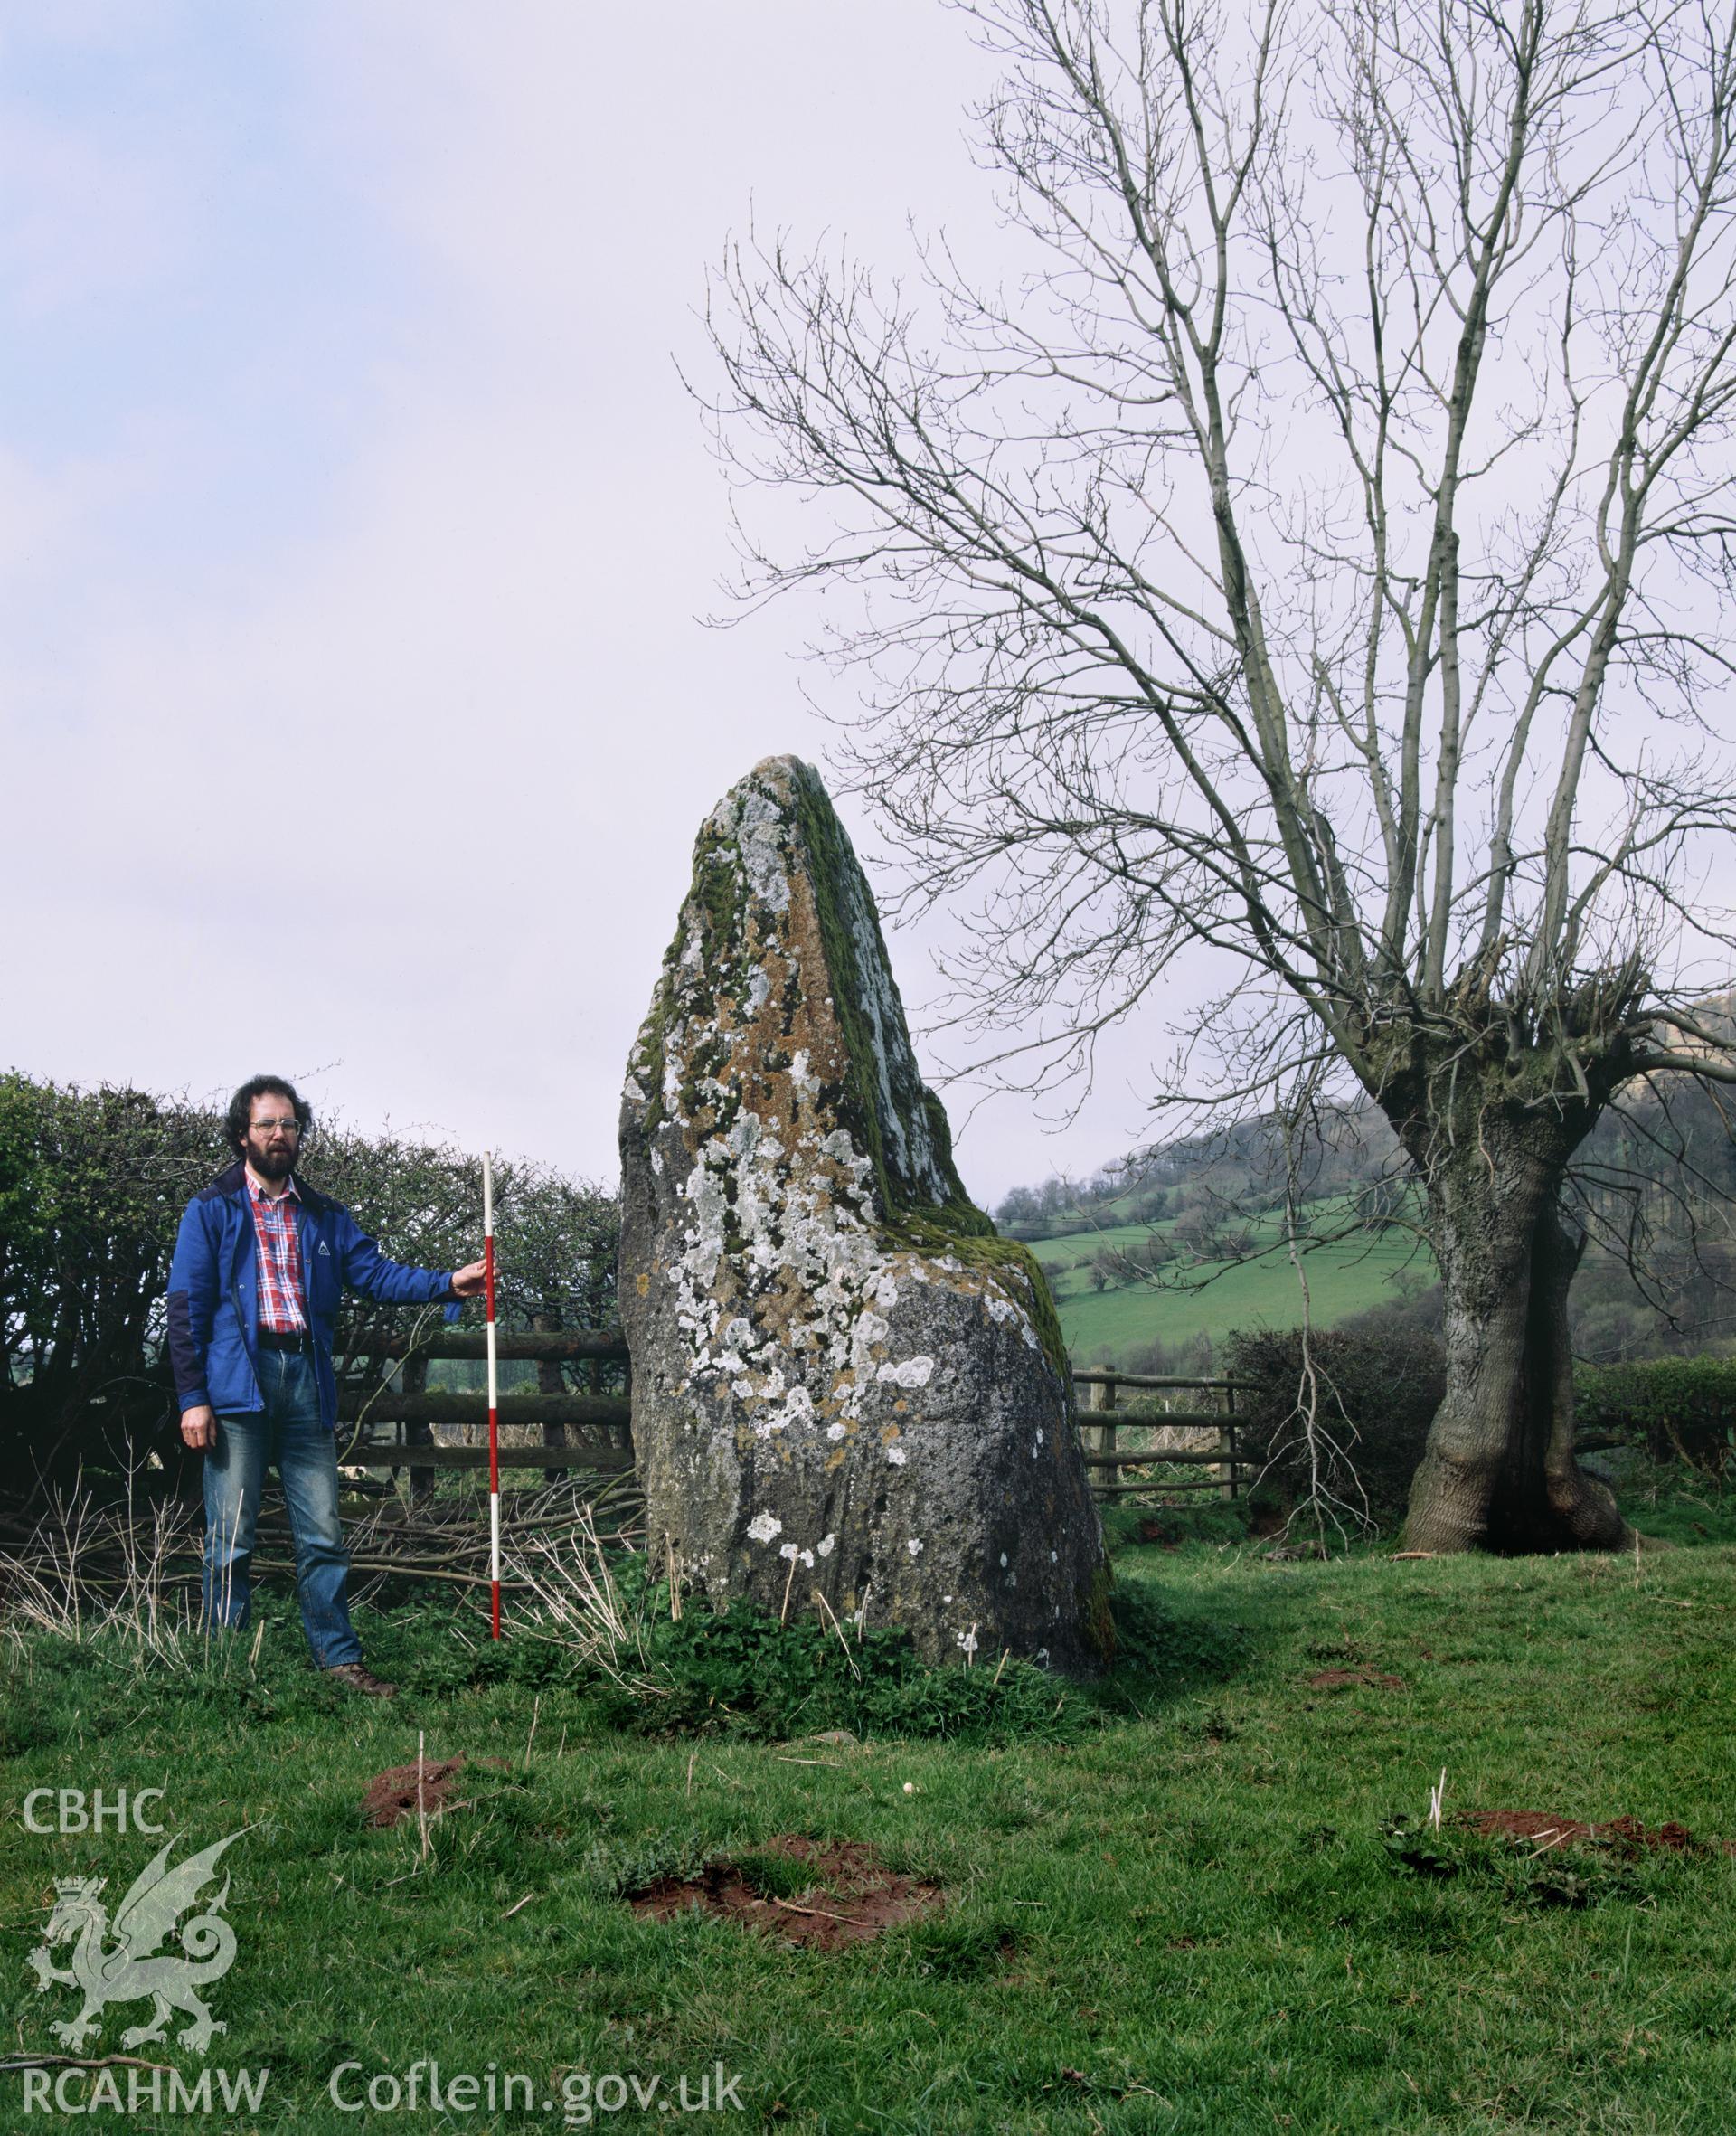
[844,1382]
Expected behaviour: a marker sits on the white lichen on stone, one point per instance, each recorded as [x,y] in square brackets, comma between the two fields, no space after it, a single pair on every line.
[760,835]
[914,1372]
[1006,1310]
[763,1527]
[798,1409]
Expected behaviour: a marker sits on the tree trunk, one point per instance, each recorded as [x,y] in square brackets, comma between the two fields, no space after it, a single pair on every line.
[1498,1472]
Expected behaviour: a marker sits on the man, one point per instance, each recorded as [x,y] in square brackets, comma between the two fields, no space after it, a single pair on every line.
[259,1264]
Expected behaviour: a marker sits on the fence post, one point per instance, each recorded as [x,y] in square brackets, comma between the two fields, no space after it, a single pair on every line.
[1100,1437]
[1229,1439]
[550,1380]
[1108,1430]
[422,1481]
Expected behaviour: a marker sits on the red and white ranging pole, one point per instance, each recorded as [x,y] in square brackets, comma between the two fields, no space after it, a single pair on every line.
[494,1390]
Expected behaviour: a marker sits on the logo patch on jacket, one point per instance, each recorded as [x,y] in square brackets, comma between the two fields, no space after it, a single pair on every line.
[325,1249]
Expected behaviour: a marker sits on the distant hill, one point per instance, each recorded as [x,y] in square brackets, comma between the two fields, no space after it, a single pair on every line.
[1169,1324]
[1154,1261]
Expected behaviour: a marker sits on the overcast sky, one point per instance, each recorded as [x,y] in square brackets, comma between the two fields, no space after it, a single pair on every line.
[355,529]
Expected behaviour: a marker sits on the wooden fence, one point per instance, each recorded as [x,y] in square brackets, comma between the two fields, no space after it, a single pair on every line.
[1098,1393]
[390,1426]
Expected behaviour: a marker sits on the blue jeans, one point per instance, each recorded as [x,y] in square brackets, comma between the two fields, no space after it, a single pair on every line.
[288,1431]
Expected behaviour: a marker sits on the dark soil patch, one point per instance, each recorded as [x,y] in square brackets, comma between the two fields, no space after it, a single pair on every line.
[853,1896]
[398,1792]
[1342,1679]
[1168,1533]
[1626,1835]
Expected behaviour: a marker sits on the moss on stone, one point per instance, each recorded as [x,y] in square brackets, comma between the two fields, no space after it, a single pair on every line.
[716,907]
[1012,1264]
[832,863]
[954,1225]
[828,855]
[1097,1615]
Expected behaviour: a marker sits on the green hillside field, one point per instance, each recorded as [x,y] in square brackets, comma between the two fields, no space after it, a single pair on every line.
[1105,1327]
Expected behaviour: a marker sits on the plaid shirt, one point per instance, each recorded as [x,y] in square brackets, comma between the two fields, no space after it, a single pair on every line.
[281,1297]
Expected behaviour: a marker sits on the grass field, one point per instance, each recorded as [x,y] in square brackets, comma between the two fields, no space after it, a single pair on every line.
[1188,1917]
[1104,1327]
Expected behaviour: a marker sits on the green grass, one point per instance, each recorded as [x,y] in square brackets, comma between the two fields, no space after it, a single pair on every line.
[1185,1919]
[1345,1277]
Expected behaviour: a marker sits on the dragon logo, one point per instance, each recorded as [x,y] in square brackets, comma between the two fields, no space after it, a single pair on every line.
[120,1961]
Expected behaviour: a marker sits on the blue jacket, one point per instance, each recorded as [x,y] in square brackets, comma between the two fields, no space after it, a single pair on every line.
[214,1292]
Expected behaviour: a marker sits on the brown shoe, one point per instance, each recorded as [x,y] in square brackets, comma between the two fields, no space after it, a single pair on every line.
[354,1678]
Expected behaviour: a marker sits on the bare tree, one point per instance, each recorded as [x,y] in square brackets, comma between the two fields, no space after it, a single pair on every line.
[1317,557]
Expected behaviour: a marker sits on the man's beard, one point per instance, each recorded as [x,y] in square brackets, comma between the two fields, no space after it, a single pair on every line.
[271,1164]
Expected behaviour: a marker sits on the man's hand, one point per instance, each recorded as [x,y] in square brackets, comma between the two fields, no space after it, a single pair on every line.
[198,1426]
[468,1282]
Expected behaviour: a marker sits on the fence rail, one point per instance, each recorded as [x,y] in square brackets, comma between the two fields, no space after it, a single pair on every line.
[604,1459]
[1099,1424]
[390,1407]
[534,1347]
[410,1409]
[1105,1377]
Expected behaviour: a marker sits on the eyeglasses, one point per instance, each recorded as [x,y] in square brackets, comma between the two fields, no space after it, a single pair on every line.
[266,1127]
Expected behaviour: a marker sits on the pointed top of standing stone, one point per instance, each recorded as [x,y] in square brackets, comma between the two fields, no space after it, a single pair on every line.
[774,869]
